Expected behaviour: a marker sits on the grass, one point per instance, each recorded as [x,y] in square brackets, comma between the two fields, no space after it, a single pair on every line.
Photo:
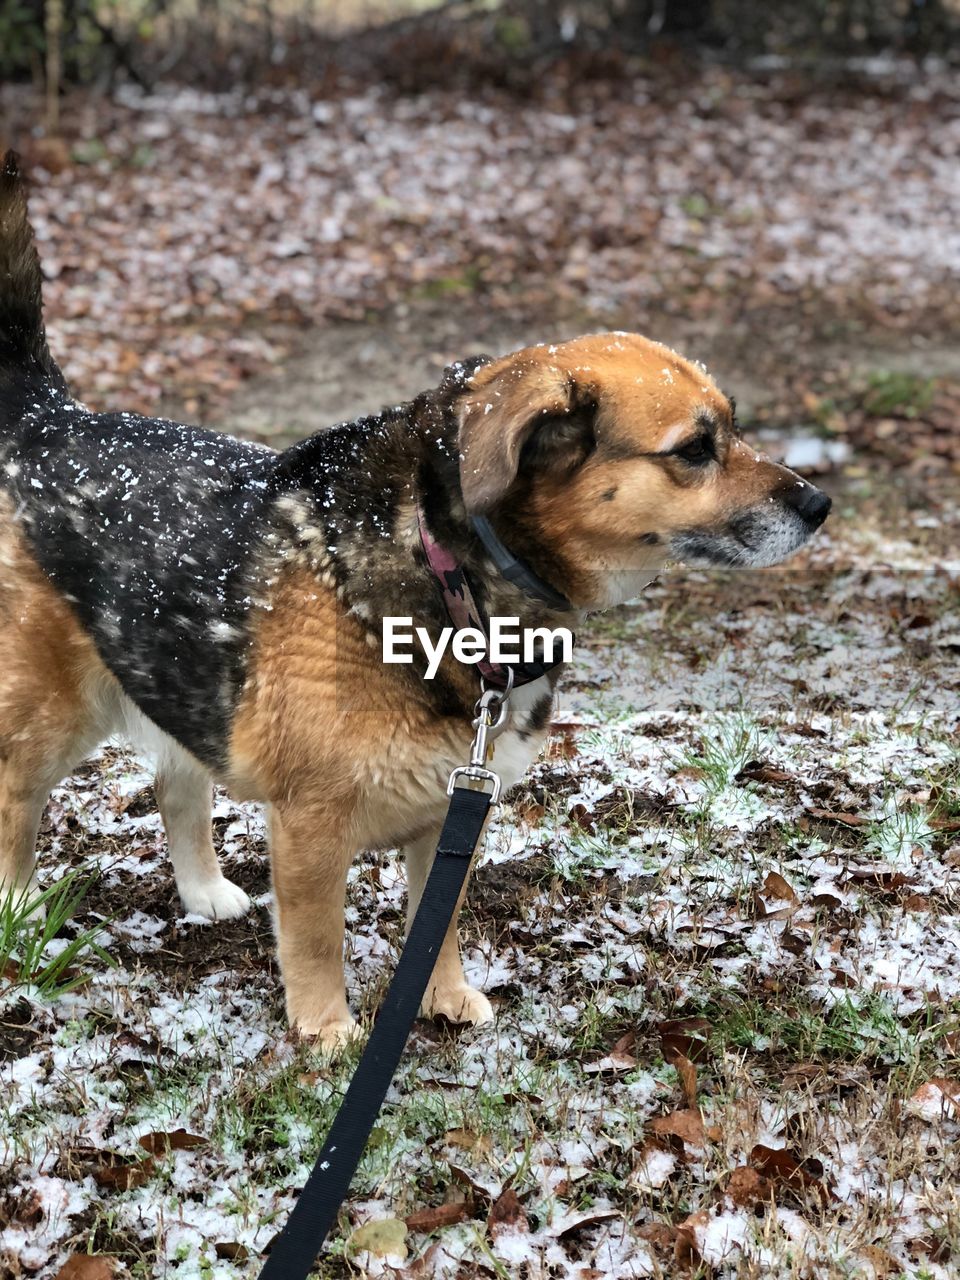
[32,951]
[893,393]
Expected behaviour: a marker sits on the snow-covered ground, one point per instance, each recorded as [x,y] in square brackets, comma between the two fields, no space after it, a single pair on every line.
[720,922]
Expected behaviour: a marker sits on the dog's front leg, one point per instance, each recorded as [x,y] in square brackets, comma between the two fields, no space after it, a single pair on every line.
[448,994]
[310,856]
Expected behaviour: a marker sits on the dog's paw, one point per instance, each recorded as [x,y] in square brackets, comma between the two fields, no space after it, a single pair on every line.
[217,899]
[330,1040]
[462,1005]
[22,897]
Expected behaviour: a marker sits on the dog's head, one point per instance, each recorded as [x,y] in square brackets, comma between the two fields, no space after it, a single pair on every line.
[610,455]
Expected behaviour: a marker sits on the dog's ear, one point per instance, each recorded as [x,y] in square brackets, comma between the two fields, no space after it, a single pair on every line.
[519,416]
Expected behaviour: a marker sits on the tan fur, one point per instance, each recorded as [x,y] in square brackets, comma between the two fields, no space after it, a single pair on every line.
[346,752]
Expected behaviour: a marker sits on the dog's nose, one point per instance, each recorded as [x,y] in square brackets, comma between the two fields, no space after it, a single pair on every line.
[808,501]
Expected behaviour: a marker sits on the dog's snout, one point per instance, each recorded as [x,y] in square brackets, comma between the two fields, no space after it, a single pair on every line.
[811,503]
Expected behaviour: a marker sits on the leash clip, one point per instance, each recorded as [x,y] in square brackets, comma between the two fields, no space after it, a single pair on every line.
[492,714]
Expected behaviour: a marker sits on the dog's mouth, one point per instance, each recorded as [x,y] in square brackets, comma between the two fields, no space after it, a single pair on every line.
[755,538]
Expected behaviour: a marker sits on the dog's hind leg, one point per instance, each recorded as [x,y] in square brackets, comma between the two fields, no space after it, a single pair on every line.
[449,995]
[184,791]
[51,711]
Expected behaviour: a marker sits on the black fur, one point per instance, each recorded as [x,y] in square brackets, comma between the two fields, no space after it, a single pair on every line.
[25,361]
[165,538]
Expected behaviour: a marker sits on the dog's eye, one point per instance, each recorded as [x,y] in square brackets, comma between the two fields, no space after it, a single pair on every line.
[696,451]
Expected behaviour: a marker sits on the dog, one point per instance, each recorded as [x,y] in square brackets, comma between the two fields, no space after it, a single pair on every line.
[221,603]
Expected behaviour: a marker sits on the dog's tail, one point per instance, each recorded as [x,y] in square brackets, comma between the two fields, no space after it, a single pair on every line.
[25,359]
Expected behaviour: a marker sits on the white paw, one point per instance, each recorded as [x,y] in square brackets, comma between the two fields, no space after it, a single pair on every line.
[461,1004]
[217,899]
[22,896]
[329,1041]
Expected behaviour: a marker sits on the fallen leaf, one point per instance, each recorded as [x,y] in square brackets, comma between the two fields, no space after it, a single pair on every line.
[383,1237]
[571,1222]
[756,771]
[231,1251]
[506,1214]
[935,1247]
[119,1173]
[879,879]
[688,1078]
[467,1140]
[685,1248]
[785,1169]
[158,1144]
[562,746]
[747,1187]
[827,901]
[883,1263]
[529,811]
[660,1234]
[776,887]
[844,819]
[441,1215]
[687,1036]
[687,1125]
[85,1266]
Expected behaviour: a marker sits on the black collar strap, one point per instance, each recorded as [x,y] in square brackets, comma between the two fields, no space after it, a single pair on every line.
[514,570]
[463,610]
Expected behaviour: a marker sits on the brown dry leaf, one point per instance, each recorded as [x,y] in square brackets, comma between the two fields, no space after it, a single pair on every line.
[84,1266]
[747,1187]
[757,771]
[802,1073]
[660,1234]
[687,1036]
[690,773]
[687,1125]
[589,1218]
[121,1173]
[776,887]
[231,1251]
[467,1140]
[685,1249]
[560,746]
[882,881]
[827,901]
[529,811]
[937,1248]
[441,1215]
[688,1078]
[620,1058]
[158,1144]
[506,1214]
[917,902]
[612,1064]
[844,819]
[583,818]
[883,1263]
[785,1169]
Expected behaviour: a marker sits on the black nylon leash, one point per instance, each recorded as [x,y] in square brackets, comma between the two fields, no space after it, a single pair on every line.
[295,1250]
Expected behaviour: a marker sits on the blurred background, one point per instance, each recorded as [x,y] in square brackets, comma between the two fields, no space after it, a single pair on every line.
[269,216]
